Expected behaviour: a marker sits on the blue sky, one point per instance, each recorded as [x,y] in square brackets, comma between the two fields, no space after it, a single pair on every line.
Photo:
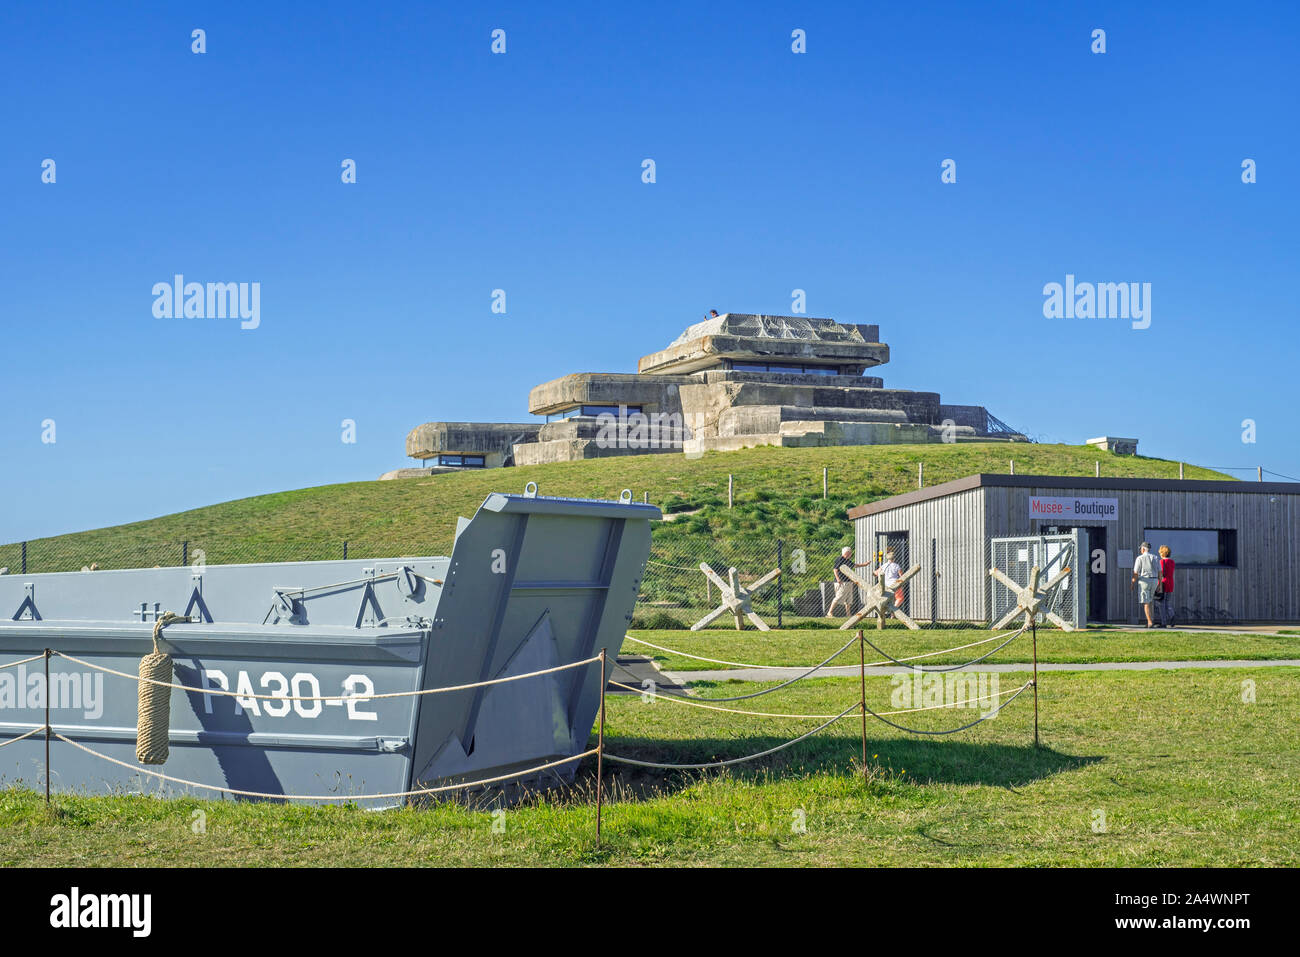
[775,171]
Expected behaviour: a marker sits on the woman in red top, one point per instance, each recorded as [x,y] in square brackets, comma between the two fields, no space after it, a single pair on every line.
[1166,588]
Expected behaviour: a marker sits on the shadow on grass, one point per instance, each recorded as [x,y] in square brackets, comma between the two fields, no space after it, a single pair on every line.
[923,761]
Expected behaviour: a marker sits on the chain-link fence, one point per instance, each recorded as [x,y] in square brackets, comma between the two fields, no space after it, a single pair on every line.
[951,586]
[962,582]
[676,593]
[61,556]
[937,586]
[1054,556]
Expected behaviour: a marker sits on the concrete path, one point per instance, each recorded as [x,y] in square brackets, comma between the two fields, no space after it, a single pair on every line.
[633,670]
[846,671]
[1275,629]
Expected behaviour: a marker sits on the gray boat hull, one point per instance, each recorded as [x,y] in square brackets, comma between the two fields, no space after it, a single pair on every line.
[532,583]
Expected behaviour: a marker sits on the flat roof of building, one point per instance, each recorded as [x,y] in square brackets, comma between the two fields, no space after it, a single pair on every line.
[741,335]
[1071,481]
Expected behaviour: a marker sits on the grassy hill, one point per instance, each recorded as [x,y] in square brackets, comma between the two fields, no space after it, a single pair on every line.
[777,492]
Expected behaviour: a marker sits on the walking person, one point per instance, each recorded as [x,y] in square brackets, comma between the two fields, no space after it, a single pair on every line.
[1165,591]
[1146,575]
[843,584]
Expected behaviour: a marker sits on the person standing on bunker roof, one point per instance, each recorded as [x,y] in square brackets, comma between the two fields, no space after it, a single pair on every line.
[843,584]
[1146,573]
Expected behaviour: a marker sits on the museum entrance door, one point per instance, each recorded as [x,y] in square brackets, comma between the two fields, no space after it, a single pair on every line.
[1095,580]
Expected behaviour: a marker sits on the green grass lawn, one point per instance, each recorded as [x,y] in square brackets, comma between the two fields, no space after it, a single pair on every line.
[1181,770]
[800,647]
[778,493]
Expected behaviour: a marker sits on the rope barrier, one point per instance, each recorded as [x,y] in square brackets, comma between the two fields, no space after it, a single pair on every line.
[935,671]
[25,734]
[985,717]
[769,714]
[749,757]
[783,684]
[21,661]
[873,664]
[328,797]
[716,661]
[859,706]
[697,704]
[345,697]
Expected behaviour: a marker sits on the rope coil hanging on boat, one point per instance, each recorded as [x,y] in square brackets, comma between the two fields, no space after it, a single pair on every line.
[153,708]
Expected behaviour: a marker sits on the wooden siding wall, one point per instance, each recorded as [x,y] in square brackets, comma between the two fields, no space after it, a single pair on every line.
[957,523]
[1263,586]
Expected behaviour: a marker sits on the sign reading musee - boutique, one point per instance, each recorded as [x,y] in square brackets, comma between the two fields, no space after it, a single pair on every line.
[1074,509]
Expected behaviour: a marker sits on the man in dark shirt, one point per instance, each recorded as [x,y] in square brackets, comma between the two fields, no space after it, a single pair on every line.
[843,584]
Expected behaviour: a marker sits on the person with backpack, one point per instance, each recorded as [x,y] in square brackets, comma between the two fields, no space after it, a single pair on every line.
[1165,590]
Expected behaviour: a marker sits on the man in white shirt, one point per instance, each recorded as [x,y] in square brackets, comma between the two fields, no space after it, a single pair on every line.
[1146,573]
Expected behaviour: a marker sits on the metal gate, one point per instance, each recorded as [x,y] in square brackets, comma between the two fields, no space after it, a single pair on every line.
[1051,553]
[895,545]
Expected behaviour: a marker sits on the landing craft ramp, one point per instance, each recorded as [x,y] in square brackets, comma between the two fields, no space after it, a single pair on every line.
[532,583]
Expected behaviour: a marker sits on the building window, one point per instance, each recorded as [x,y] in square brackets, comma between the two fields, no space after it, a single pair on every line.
[1216,547]
[598,410]
[787,367]
[461,461]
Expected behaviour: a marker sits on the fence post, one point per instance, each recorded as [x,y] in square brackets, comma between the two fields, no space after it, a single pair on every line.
[862,668]
[24,558]
[934,582]
[1035,630]
[600,747]
[825,480]
[780,585]
[345,549]
[47,727]
[1096,468]
[1013,466]
[1259,471]
[729,488]
[920,475]
[185,553]
[1180,471]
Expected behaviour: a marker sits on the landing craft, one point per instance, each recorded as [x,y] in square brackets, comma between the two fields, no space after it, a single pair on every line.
[532,583]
